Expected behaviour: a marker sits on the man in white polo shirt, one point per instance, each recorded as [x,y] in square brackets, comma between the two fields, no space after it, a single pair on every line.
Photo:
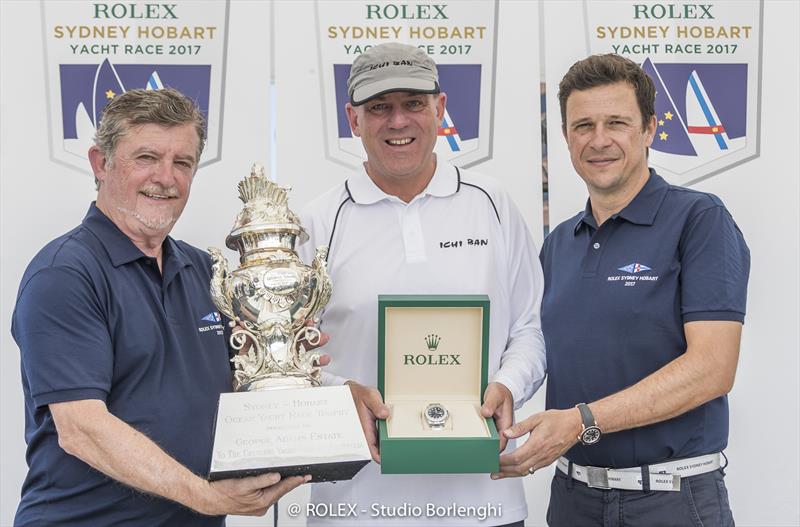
[407,224]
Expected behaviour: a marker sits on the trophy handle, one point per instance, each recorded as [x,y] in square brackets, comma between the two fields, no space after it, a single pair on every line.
[319,267]
[220,279]
[306,360]
[249,364]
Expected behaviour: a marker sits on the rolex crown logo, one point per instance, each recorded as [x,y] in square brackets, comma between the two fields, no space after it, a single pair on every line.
[432,341]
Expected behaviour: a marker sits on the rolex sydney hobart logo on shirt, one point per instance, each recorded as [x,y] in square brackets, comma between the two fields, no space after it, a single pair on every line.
[211,322]
[634,273]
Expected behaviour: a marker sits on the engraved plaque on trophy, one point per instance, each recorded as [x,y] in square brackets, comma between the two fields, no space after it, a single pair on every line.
[278,418]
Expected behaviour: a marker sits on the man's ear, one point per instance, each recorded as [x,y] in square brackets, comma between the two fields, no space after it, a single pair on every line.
[650,131]
[441,102]
[99,163]
[352,118]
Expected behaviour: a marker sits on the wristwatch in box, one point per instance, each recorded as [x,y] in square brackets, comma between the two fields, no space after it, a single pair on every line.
[436,416]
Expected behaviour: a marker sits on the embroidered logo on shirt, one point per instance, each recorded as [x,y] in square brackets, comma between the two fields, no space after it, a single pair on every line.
[469,242]
[215,317]
[632,276]
[212,317]
[634,268]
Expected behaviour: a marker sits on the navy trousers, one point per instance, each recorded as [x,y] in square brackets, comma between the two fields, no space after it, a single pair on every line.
[701,502]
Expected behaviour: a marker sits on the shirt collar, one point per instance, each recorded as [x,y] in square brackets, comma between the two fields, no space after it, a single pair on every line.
[642,209]
[174,259]
[121,249]
[586,218]
[364,191]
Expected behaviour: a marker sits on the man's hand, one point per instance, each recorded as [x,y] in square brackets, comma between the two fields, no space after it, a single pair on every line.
[315,339]
[89,432]
[499,403]
[246,496]
[552,433]
[370,407]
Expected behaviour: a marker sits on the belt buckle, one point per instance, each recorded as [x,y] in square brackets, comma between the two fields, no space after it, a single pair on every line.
[597,477]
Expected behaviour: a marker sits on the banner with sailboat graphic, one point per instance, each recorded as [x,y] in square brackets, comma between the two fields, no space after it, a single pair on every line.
[705,61]
[96,51]
[460,37]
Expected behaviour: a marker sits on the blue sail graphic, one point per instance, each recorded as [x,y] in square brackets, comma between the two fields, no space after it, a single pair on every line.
[671,134]
[107,85]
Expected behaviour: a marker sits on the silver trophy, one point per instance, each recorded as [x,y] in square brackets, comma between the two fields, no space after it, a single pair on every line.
[272,422]
[272,297]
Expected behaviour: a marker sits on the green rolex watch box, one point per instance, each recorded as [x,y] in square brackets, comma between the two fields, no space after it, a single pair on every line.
[433,356]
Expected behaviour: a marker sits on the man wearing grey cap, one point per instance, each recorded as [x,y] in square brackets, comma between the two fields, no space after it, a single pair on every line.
[404,225]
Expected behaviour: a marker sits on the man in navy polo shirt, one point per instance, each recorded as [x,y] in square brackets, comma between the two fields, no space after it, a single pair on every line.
[123,353]
[642,315]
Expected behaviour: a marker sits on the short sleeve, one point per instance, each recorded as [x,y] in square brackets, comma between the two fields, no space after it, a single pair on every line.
[62,332]
[715,267]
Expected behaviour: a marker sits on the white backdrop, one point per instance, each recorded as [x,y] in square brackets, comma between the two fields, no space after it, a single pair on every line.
[40,200]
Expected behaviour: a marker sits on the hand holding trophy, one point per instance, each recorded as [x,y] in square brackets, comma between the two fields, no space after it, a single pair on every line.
[272,423]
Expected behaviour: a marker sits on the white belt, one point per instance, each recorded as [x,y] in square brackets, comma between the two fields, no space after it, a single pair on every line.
[664,476]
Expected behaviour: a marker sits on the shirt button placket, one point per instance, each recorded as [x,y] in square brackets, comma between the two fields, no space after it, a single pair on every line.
[413,240]
[596,245]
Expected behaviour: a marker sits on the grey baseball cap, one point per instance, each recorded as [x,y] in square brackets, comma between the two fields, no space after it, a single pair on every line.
[391,67]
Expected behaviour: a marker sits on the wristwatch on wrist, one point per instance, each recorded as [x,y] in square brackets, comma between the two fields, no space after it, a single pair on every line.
[591,433]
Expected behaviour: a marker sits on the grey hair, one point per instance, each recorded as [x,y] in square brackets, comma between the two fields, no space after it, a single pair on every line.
[166,107]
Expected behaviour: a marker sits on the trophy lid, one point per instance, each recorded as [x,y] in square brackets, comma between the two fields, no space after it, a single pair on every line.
[266,210]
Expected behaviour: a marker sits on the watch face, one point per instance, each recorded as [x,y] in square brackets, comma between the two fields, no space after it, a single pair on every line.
[590,435]
[435,414]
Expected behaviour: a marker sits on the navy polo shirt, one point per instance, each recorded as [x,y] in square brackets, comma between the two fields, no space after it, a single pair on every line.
[615,302]
[95,319]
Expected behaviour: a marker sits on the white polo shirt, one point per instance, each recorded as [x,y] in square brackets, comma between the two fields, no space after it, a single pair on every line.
[461,235]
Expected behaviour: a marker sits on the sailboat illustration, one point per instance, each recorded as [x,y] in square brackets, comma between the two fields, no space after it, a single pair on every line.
[106,85]
[449,132]
[706,129]
[85,89]
[696,124]
[154,82]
